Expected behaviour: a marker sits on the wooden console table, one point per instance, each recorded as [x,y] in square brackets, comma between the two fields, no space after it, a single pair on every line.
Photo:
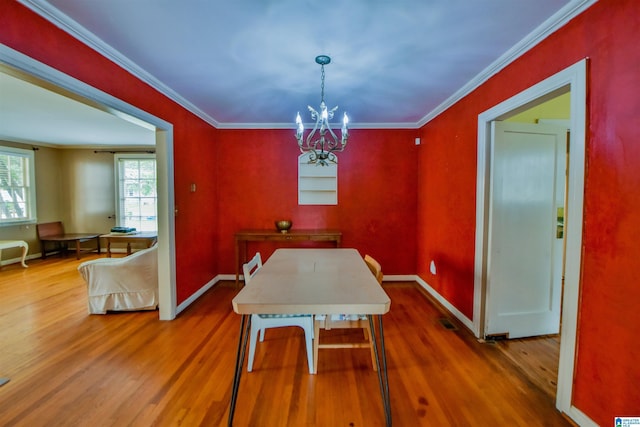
[146,238]
[242,237]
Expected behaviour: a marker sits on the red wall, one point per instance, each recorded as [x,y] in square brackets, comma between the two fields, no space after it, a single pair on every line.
[243,182]
[607,379]
[376,211]
[196,262]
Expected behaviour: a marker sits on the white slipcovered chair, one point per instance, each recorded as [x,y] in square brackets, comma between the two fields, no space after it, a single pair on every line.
[122,284]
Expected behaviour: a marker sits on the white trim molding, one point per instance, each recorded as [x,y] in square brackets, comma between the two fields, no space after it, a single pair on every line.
[83,92]
[62,21]
[574,80]
[555,22]
[65,23]
[446,304]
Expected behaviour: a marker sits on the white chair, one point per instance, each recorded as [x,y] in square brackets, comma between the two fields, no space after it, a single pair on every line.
[260,322]
[122,284]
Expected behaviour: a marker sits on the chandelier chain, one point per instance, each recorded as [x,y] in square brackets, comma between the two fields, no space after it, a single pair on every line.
[322,84]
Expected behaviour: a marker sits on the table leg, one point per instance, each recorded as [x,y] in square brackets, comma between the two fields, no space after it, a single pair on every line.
[108,247]
[237,263]
[383,378]
[245,323]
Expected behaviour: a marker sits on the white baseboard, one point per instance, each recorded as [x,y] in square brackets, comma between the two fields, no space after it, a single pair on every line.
[446,304]
[390,278]
[186,303]
[580,418]
[232,277]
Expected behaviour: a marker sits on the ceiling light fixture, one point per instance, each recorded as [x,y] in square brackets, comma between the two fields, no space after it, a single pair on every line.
[321,150]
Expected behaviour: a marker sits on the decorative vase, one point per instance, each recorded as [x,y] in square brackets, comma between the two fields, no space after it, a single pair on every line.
[283,226]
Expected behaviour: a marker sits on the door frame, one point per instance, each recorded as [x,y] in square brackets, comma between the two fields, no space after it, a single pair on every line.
[574,80]
[82,92]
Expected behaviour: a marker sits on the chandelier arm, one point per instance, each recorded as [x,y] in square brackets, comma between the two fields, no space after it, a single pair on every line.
[333,142]
[317,127]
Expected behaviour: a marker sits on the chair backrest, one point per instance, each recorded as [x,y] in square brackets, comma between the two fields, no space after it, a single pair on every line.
[49,229]
[250,268]
[375,267]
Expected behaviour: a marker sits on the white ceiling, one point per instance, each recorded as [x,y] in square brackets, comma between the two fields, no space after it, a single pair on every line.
[33,114]
[250,63]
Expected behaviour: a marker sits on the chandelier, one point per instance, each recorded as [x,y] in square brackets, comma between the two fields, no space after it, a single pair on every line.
[322,142]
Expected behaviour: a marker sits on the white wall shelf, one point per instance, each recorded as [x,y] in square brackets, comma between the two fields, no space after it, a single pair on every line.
[317,185]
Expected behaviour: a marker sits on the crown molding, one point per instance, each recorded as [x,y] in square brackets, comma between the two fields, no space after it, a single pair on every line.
[65,23]
[292,126]
[555,22]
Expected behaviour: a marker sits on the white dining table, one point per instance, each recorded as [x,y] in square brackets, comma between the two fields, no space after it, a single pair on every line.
[317,282]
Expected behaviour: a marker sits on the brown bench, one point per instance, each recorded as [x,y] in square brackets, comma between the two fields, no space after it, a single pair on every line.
[53,232]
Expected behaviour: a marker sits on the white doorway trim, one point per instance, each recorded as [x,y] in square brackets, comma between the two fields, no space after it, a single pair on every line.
[574,80]
[164,160]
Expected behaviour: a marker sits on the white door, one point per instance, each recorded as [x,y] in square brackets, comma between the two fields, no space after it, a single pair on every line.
[525,253]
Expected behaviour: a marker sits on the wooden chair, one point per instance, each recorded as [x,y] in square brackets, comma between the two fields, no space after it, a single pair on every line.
[328,322]
[260,322]
[53,232]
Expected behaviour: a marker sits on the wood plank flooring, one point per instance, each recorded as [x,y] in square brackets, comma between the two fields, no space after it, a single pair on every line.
[68,368]
[537,357]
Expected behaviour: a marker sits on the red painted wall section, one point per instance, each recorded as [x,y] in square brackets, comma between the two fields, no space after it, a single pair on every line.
[194,156]
[248,178]
[196,211]
[607,376]
[609,381]
[446,208]
[376,211]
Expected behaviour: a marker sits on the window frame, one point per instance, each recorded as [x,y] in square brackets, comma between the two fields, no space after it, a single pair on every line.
[120,216]
[30,186]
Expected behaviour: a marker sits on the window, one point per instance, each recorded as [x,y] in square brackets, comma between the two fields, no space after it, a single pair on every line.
[136,198]
[17,186]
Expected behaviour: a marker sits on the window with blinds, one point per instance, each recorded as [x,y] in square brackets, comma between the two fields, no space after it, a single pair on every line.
[17,186]
[136,191]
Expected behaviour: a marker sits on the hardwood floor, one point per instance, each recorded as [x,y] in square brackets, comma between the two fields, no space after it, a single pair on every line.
[537,357]
[69,368]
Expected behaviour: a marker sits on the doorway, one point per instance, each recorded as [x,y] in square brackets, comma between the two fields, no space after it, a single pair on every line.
[572,80]
[525,248]
[82,92]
